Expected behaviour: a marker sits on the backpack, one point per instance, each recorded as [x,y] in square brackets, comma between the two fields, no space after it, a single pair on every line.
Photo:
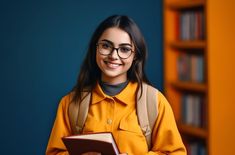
[147,111]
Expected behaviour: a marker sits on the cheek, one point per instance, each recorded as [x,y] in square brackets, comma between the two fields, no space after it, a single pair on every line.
[129,63]
[99,60]
[97,57]
[131,59]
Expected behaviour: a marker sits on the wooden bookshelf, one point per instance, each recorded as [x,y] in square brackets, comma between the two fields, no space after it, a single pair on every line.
[198,44]
[193,131]
[216,45]
[184,93]
[189,86]
[185,4]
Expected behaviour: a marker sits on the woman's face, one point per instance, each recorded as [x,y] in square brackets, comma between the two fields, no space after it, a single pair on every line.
[114,69]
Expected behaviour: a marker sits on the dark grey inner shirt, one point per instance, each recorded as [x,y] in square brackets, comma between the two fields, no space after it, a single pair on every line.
[113,90]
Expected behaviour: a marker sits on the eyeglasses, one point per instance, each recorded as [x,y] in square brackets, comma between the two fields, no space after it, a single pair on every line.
[123,52]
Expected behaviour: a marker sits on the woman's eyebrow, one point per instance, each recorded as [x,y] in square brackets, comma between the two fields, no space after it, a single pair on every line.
[122,44]
[125,44]
[110,42]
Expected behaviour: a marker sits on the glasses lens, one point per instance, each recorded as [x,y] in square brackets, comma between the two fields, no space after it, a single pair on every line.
[104,48]
[124,52]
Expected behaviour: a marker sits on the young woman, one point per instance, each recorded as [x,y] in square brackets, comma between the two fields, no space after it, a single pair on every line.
[113,71]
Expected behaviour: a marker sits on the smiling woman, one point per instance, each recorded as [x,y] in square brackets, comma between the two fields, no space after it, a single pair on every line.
[113,73]
[114,62]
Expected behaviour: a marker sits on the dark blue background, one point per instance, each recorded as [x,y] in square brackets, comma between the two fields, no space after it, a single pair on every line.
[42,46]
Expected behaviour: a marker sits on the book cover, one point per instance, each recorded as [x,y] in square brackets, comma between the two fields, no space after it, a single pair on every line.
[102,142]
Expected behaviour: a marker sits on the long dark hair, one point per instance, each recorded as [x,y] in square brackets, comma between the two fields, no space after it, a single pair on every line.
[90,72]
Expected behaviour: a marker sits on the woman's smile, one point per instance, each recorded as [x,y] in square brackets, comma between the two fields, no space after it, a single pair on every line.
[112,65]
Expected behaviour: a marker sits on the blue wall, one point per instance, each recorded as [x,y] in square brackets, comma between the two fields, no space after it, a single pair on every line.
[42,46]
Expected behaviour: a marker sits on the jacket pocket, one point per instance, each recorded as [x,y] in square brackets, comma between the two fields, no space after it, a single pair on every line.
[130,124]
[130,136]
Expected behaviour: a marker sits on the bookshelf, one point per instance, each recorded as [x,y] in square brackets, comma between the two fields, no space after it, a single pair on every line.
[185,79]
[199,80]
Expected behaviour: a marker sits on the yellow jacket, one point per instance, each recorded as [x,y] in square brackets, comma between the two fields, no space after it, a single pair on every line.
[117,114]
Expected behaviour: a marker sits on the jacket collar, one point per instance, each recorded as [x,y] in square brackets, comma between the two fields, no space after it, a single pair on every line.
[126,96]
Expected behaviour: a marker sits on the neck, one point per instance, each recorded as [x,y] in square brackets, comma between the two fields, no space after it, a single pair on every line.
[111,89]
[113,81]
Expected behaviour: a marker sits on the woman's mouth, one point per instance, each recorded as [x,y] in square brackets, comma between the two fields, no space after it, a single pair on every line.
[112,65]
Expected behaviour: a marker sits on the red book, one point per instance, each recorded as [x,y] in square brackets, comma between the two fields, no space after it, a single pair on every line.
[102,142]
[177,26]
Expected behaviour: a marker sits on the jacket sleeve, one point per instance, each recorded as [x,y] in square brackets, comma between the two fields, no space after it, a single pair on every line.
[60,129]
[166,138]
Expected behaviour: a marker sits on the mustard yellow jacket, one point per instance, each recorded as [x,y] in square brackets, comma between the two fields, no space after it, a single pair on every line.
[117,114]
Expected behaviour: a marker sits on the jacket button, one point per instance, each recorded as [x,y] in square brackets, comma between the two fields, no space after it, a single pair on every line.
[109,121]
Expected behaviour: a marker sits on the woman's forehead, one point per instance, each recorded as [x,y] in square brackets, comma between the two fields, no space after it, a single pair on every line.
[116,36]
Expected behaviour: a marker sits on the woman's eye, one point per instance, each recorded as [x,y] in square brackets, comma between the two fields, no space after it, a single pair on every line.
[105,46]
[125,49]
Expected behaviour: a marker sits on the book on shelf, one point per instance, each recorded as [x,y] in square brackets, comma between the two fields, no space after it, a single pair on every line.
[193,110]
[195,148]
[190,68]
[101,142]
[190,25]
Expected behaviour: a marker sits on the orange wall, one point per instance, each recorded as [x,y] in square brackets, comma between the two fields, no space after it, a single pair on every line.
[221,58]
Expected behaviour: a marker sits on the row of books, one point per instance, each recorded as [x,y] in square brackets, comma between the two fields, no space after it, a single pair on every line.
[190,25]
[190,67]
[192,110]
[196,148]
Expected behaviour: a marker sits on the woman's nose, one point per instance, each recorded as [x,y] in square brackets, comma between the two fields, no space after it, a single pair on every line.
[114,54]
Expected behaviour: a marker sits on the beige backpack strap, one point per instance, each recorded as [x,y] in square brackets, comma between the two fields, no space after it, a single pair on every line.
[73,113]
[78,113]
[147,110]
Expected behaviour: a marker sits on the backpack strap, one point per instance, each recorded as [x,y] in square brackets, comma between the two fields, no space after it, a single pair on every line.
[147,110]
[78,113]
